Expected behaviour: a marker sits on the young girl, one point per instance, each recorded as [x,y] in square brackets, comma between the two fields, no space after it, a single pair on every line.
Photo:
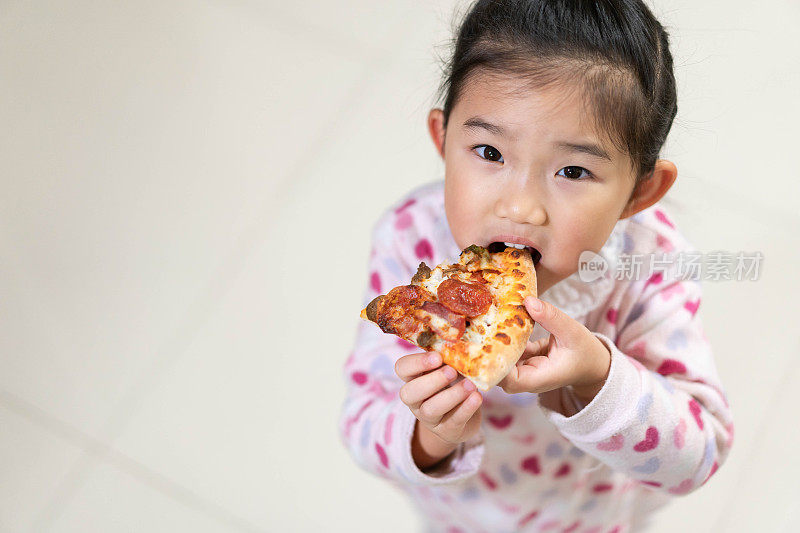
[555,113]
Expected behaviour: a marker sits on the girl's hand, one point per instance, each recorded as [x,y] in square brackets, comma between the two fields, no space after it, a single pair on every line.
[450,412]
[572,355]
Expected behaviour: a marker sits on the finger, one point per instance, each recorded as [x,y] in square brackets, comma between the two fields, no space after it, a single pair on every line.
[420,389]
[554,320]
[414,365]
[434,408]
[538,374]
[460,415]
[539,347]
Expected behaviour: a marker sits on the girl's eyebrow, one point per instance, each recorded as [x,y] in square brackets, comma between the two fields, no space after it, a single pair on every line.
[588,148]
[478,123]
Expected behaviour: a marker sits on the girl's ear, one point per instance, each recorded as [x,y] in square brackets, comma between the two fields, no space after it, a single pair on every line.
[436,129]
[651,189]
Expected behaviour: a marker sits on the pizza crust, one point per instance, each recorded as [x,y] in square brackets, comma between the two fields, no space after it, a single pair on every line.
[501,351]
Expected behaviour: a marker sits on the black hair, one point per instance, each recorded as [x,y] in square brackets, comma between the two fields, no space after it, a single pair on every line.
[615,51]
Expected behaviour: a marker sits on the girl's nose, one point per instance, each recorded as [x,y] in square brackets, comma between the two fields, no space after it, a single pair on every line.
[521,204]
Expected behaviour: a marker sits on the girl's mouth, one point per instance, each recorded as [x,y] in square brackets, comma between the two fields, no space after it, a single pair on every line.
[500,246]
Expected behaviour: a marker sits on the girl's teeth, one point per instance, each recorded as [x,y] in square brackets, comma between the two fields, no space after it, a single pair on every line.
[519,246]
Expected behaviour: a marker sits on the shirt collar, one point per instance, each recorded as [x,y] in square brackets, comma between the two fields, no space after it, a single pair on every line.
[576,297]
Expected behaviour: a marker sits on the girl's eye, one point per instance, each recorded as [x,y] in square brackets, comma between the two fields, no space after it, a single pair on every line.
[490,153]
[574,173]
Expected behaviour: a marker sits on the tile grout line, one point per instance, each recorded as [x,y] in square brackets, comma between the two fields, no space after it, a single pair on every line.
[205,305]
[94,448]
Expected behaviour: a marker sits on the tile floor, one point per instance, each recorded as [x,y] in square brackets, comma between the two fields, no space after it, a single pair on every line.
[156,155]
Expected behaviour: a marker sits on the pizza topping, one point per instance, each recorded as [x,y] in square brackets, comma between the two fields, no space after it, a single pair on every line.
[423,273]
[372,307]
[454,269]
[447,324]
[393,310]
[426,338]
[467,299]
[474,248]
[477,277]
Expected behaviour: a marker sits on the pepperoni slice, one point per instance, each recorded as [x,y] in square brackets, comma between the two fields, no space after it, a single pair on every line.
[455,320]
[467,299]
[393,315]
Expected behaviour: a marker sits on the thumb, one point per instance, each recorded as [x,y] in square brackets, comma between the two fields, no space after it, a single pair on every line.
[554,320]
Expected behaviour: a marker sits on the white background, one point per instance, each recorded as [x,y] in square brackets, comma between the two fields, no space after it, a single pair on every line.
[164,164]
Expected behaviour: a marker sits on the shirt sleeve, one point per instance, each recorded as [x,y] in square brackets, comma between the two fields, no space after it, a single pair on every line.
[375,425]
[662,416]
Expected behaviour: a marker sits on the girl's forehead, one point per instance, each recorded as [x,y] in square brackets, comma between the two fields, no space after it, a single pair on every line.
[519,110]
[519,101]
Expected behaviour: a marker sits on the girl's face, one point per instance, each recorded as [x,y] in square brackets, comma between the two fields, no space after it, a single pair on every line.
[527,167]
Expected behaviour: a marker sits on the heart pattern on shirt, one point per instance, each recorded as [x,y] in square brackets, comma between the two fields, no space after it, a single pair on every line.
[589,505]
[554,450]
[648,467]
[563,470]
[655,279]
[405,344]
[614,443]
[694,408]
[643,407]
[424,249]
[525,439]
[403,220]
[692,306]
[678,434]
[470,493]
[684,487]
[382,365]
[490,483]
[671,366]
[628,243]
[650,440]
[382,455]
[677,340]
[501,422]
[508,475]
[671,291]
[358,377]
[663,218]
[387,432]
[664,243]
[531,464]
[375,282]
[576,452]
[611,315]
[637,350]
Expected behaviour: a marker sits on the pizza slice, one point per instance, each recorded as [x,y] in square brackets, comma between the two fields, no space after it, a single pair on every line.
[470,311]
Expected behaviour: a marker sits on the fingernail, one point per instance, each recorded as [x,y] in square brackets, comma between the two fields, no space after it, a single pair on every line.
[450,372]
[468,385]
[433,359]
[535,303]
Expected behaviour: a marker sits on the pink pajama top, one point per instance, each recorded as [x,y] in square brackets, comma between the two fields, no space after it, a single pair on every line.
[660,426]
